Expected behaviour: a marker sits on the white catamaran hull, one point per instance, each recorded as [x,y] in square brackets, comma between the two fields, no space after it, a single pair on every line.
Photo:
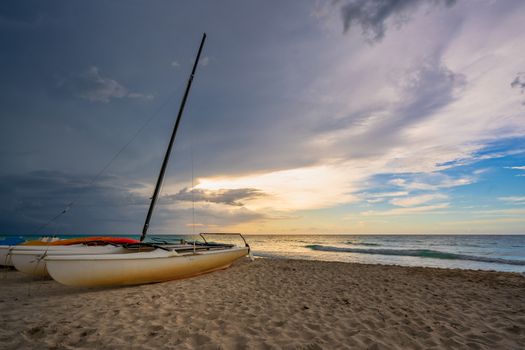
[5,257]
[138,268]
[30,260]
[6,251]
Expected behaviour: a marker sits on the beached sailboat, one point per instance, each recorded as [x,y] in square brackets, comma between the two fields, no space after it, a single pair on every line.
[10,242]
[31,261]
[144,262]
[50,245]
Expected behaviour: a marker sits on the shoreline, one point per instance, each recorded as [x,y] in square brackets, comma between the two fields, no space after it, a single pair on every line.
[273,303]
[277,257]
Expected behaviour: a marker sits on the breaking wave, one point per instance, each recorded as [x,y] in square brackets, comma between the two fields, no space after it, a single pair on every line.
[421,253]
[363,243]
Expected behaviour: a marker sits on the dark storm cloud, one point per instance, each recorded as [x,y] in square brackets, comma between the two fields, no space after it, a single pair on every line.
[372,15]
[425,89]
[226,196]
[108,206]
[429,87]
[92,86]
[30,200]
[519,83]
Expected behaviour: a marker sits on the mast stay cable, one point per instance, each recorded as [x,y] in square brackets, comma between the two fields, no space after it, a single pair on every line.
[115,156]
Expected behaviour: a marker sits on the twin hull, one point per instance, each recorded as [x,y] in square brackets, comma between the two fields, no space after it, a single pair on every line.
[138,268]
[31,260]
[5,257]
[7,251]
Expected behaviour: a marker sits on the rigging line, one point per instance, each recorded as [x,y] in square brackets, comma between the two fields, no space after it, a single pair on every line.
[192,188]
[97,176]
[192,182]
[192,177]
[192,133]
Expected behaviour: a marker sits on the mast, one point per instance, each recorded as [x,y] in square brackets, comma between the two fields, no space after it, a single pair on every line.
[172,139]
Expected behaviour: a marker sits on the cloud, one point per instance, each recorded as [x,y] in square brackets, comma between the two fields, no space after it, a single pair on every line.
[90,85]
[375,200]
[425,90]
[386,194]
[432,182]
[379,197]
[210,216]
[293,189]
[108,206]
[513,199]
[112,205]
[483,222]
[204,61]
[417,200]
[520,212]
[516,168]
[373,15]
[421,92]
[175,64]
[406,211]
[519,82]
[412,105]
[225,196]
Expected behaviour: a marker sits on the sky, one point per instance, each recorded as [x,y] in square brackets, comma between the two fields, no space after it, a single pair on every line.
[305,117]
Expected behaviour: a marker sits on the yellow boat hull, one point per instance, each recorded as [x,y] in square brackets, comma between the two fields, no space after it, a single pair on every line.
[138,268]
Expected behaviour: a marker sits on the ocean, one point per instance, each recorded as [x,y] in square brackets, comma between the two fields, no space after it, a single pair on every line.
[484,252]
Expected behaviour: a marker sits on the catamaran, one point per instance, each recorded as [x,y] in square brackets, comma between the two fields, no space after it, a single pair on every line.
[51,245]
[143,262]
[31,261]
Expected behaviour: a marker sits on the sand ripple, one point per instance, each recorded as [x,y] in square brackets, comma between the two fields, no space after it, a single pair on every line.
[270,304]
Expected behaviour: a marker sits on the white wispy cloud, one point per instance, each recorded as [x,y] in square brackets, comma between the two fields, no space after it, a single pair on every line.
[205,61]
[495,221]
[516,168]
[92,86]
[379,197]
[501,212]
[406,211]
[434,181]
[386,194]
[417,200]
[375,200]
[513,199]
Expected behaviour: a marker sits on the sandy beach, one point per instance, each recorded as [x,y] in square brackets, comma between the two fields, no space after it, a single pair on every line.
[273,303]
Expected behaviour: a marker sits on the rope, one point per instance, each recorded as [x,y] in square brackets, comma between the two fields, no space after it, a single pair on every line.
[99,174]
[192,191]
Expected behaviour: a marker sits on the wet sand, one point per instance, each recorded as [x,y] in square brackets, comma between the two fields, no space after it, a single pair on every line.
[273,304]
